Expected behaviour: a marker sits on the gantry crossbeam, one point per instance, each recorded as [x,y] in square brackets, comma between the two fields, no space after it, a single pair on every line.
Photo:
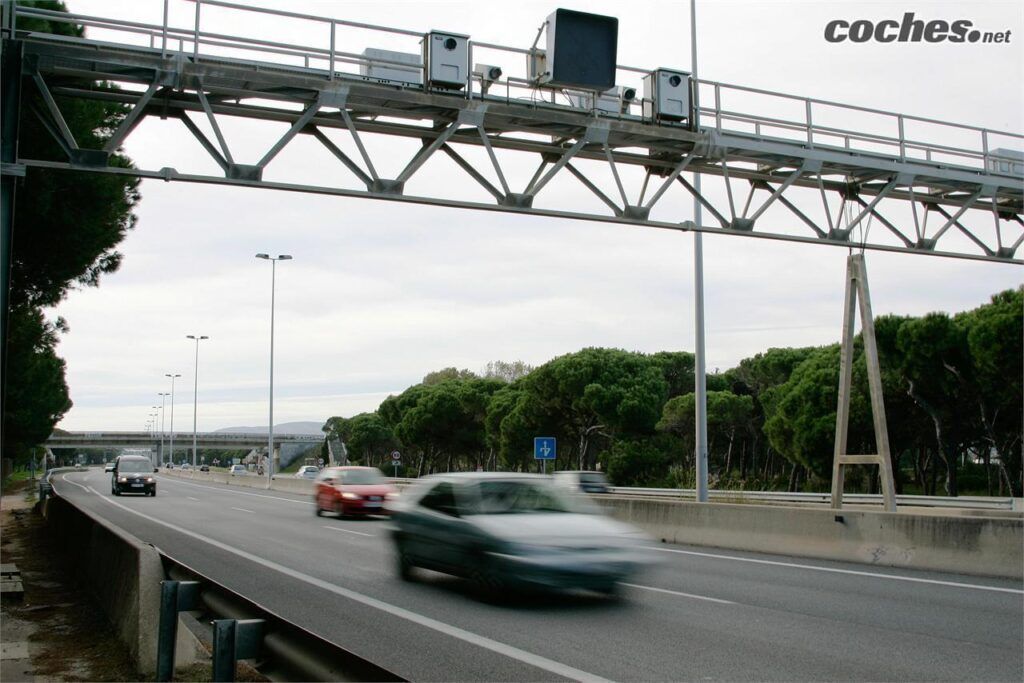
[825,192]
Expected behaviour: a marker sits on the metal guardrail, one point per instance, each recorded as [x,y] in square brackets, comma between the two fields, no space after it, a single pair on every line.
[978,148]
[719,495]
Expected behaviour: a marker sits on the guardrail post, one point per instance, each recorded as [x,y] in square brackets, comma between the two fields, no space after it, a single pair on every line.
[234,639]
[175,596]
[810,124]
[903,139]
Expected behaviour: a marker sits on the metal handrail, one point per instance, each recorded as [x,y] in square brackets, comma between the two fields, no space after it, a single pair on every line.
[968,157]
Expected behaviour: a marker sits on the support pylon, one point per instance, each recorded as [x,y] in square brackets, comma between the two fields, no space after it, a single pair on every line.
[857,288]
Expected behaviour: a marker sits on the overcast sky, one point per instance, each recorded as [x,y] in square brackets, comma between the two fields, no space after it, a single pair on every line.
[379,293]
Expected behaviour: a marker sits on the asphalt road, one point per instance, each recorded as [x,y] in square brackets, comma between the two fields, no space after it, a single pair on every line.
[703,614]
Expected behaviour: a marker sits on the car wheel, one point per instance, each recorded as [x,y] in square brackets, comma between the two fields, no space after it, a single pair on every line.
[610,589]
[117,491]
[486,584]
[339,510]
[403,561]
[153,493]
[316,504]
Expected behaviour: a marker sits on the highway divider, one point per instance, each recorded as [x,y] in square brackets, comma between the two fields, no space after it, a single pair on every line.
[984,546]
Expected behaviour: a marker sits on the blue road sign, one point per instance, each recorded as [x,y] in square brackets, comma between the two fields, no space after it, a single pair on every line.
[544,448]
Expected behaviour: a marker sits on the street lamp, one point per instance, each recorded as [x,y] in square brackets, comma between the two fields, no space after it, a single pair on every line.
[167,374]
[195,396]
[270,434]
[163,413]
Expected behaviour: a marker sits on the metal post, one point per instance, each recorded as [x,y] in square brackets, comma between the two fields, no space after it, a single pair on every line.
[171,454]
[195,399]
[10,102]
[167,630]
[163,48]
[163,414]
[700,381]
[270,424]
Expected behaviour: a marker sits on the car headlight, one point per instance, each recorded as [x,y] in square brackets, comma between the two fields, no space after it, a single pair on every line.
[149,480]
[351,496]
[122,480]
[392,495]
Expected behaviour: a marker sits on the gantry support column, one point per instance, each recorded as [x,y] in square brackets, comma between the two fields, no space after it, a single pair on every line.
[857,288]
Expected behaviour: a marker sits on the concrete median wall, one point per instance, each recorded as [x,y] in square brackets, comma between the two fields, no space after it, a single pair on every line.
[984,546]
[122,572]
[283,483]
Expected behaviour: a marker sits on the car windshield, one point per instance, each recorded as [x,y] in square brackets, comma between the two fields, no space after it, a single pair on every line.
[516,497]
[362,477]
[592,478]
[135,466]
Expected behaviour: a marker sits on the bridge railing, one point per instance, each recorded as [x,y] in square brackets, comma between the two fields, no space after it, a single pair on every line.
[763,114]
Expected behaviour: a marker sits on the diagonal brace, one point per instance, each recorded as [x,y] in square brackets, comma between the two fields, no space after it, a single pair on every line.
[475,174]
[299,124]
[344,158]
[594,188]
[131,120]
[669,180]
[426,152]
[703,202]
[57,117]
[804,168]
[869,209]
[204,141]
[954,220]
[537,185]
[956,217]
[213,123]
[884,221]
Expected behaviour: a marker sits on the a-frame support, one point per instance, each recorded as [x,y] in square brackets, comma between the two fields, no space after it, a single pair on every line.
[857,288]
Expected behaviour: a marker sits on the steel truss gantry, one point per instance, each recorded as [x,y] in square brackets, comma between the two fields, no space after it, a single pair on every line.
[962,203]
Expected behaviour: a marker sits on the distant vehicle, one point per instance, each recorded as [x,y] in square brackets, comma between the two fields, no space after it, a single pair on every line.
[186,466]
[352,491]
[503,530]
[169,465]
[109,467]
[582,481]
[133,474]
[238,469]
[307,472]
[204,468]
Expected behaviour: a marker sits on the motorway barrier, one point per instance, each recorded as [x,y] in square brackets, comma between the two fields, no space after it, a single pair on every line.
[984,546]
[122,572]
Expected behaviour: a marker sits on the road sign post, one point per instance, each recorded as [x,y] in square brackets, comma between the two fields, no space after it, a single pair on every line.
[396,460]
[544,449]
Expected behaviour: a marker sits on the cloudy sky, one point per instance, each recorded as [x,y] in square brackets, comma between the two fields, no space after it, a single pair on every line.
[379,293]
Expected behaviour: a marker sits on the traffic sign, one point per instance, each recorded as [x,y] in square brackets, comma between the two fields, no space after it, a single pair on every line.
[544,448]
[395,455]
[320,461]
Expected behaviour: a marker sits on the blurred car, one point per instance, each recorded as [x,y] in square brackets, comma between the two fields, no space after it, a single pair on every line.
[238,469]
[169,465]
[307,472]
[204,468]
[513,530]
[186,466]
[353,491]
[582,481]
[109,467]
[132,474]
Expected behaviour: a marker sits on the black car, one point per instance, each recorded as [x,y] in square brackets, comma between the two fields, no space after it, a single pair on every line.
[204,468]
[133,474]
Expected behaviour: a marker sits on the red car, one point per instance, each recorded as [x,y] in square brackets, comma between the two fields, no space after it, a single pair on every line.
[353,491]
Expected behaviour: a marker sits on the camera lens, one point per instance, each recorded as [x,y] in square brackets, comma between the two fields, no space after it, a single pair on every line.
[674,81]
[449,44]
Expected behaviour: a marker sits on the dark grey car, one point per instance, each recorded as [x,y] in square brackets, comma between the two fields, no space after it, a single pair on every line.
[512,530]
[133,474]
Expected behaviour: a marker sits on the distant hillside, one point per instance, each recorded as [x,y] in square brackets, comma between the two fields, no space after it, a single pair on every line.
[283,428]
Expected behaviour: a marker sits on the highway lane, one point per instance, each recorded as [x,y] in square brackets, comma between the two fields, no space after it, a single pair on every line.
[704,614]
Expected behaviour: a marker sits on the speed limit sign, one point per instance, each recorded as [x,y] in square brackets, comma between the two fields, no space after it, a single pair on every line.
[395,455]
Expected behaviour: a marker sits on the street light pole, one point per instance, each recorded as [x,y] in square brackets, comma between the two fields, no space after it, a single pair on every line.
[171,454]
[163,413]
[270,431]
[701,389]
[195,397]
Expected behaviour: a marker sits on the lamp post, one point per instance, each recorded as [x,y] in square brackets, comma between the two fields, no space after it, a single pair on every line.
[163,410]
[171,454]
[195,396]
[270,433]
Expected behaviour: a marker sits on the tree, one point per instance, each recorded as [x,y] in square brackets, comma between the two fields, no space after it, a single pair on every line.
[446,374]
[507,372]
[66,228]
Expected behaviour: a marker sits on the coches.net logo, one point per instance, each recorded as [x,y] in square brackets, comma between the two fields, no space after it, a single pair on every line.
[911,30]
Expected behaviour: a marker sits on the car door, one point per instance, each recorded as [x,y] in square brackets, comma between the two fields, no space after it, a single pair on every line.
[435,531]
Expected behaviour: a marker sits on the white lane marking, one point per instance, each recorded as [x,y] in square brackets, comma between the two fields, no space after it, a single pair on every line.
[834,570]
[228,489]
[510,651]
[253,512]
[680,594]
[63,478]
[347,531]
[191,498]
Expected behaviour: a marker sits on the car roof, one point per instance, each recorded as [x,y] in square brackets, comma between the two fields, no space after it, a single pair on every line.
[133,457]
[484,476]
[579,472]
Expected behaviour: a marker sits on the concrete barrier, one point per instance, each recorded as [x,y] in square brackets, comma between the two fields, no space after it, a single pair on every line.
[984,546]
[122,572]
[284,483]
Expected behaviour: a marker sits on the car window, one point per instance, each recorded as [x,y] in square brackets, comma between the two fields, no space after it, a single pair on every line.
[517,497]
[134,466]
[363,477]
[593,478]
[441,499]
